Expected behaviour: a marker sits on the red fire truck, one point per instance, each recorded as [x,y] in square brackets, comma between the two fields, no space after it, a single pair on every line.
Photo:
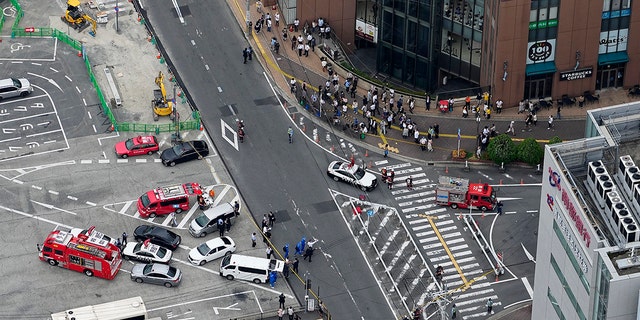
[165,200]
[87,251]
[459,193]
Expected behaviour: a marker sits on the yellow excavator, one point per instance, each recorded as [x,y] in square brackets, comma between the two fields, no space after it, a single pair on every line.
[160,105]
[76,18]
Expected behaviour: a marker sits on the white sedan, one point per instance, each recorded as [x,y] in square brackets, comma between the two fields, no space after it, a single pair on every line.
[353,174]
[146,252]
[211,250]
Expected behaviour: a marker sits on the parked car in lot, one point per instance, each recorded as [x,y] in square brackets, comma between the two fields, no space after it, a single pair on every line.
[184,151]
[14,87]
[157,235]
[353,174]
[156,273]
[211,250]
[137,146]
[146,252]
[207,222]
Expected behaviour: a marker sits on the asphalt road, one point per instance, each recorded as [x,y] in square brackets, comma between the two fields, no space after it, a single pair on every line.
[274,175]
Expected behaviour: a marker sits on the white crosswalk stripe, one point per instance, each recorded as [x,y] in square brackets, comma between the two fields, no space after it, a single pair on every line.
[417,203]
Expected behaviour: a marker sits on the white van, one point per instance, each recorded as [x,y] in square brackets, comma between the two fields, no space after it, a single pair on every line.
[13,87]
[249,268]
[207,222]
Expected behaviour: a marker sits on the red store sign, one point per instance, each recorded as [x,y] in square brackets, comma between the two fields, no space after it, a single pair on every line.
[554,181]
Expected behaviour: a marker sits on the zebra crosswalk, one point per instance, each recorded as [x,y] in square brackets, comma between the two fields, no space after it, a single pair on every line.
[439,235]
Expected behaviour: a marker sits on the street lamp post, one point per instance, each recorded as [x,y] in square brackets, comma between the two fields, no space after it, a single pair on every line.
[477,129]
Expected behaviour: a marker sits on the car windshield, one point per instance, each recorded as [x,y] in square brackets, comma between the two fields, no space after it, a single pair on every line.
[202,220]
[178,149]
[172,272]
[129,144]
[359,174]
[137,247]
[203,249]
[225,261]
[16,83]
[161,252]
[145,200]
[147,269]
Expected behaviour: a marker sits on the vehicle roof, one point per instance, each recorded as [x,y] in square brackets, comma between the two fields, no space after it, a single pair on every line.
[144,139]
[218,210]
[9,81]
[219,241]
[345,166]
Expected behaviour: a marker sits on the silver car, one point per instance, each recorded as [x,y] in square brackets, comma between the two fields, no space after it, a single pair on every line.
[156,273]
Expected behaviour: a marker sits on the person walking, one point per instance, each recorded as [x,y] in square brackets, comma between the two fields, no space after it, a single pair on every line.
[281,300]
[409,183]
[272,218]
[245,55]
[295,264]
[236,208]
[221,226]
[269,251]
[250,52]
[285,270]
[253,240]
[454,311]
[489,306]
[290,133]
[558,115]
[499,207]
[308,253]
[280,314]
[124,239]
[550,122]
[290,312]
[174,222]
[386,150]
[227,224]
[427,102]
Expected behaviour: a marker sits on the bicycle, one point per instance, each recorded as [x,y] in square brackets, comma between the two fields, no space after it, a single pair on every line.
[290,133]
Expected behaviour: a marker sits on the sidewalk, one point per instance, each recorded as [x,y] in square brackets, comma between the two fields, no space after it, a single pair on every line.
[288,64]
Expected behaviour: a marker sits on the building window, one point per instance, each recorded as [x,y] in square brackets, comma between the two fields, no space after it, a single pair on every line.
[567,289]
[602,300]
[555,305]
[572,258]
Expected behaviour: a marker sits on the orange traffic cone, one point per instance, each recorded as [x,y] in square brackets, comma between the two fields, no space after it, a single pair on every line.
[201,127]
[500,181]
[79,53]
[158,56]
[521,181]
[369,165]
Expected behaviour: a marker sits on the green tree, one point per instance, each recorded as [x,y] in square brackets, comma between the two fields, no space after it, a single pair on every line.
[554,139]
[530,151]
[502,149]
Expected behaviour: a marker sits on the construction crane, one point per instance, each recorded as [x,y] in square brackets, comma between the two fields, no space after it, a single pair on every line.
[160,105]
[76,18]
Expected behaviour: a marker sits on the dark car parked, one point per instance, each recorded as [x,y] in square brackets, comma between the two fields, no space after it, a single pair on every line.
[184,151]
[157,235]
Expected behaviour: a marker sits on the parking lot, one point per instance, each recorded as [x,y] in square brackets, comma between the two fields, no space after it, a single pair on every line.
[58,170]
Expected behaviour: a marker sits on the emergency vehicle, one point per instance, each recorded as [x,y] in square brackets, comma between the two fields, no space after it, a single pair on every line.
[459,193]
[89,252]
[165,200]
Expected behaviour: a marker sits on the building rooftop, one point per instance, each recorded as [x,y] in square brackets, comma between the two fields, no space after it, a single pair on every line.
[610,149]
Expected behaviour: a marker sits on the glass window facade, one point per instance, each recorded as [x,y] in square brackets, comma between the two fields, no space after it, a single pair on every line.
[567,289]
[404,50]
[461,38]
[602,288]
[572,258]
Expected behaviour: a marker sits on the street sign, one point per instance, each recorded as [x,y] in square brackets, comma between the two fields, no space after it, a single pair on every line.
[370,212]
[29,29]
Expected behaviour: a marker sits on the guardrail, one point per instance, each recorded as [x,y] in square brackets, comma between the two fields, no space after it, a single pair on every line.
[193,124]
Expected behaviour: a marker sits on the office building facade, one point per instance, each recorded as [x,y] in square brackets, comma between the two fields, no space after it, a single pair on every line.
[520,49]
[587,264]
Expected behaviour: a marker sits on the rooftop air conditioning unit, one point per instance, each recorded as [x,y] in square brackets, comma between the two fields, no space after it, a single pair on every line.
[605,185]
[620,212]
[595,169]
[612,199]
[629,230]
[631,180]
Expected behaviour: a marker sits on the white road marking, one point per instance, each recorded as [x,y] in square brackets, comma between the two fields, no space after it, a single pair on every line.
[527,286]
[48,206]
[91,203]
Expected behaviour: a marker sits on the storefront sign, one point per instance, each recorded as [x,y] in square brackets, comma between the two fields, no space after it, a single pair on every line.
[543,24]
[366,31]
[554,181]
[542,51]
[576,74]
[613,41]
[571,240]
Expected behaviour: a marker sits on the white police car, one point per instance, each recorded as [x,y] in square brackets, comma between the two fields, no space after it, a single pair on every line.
[353,174]
[146,252]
